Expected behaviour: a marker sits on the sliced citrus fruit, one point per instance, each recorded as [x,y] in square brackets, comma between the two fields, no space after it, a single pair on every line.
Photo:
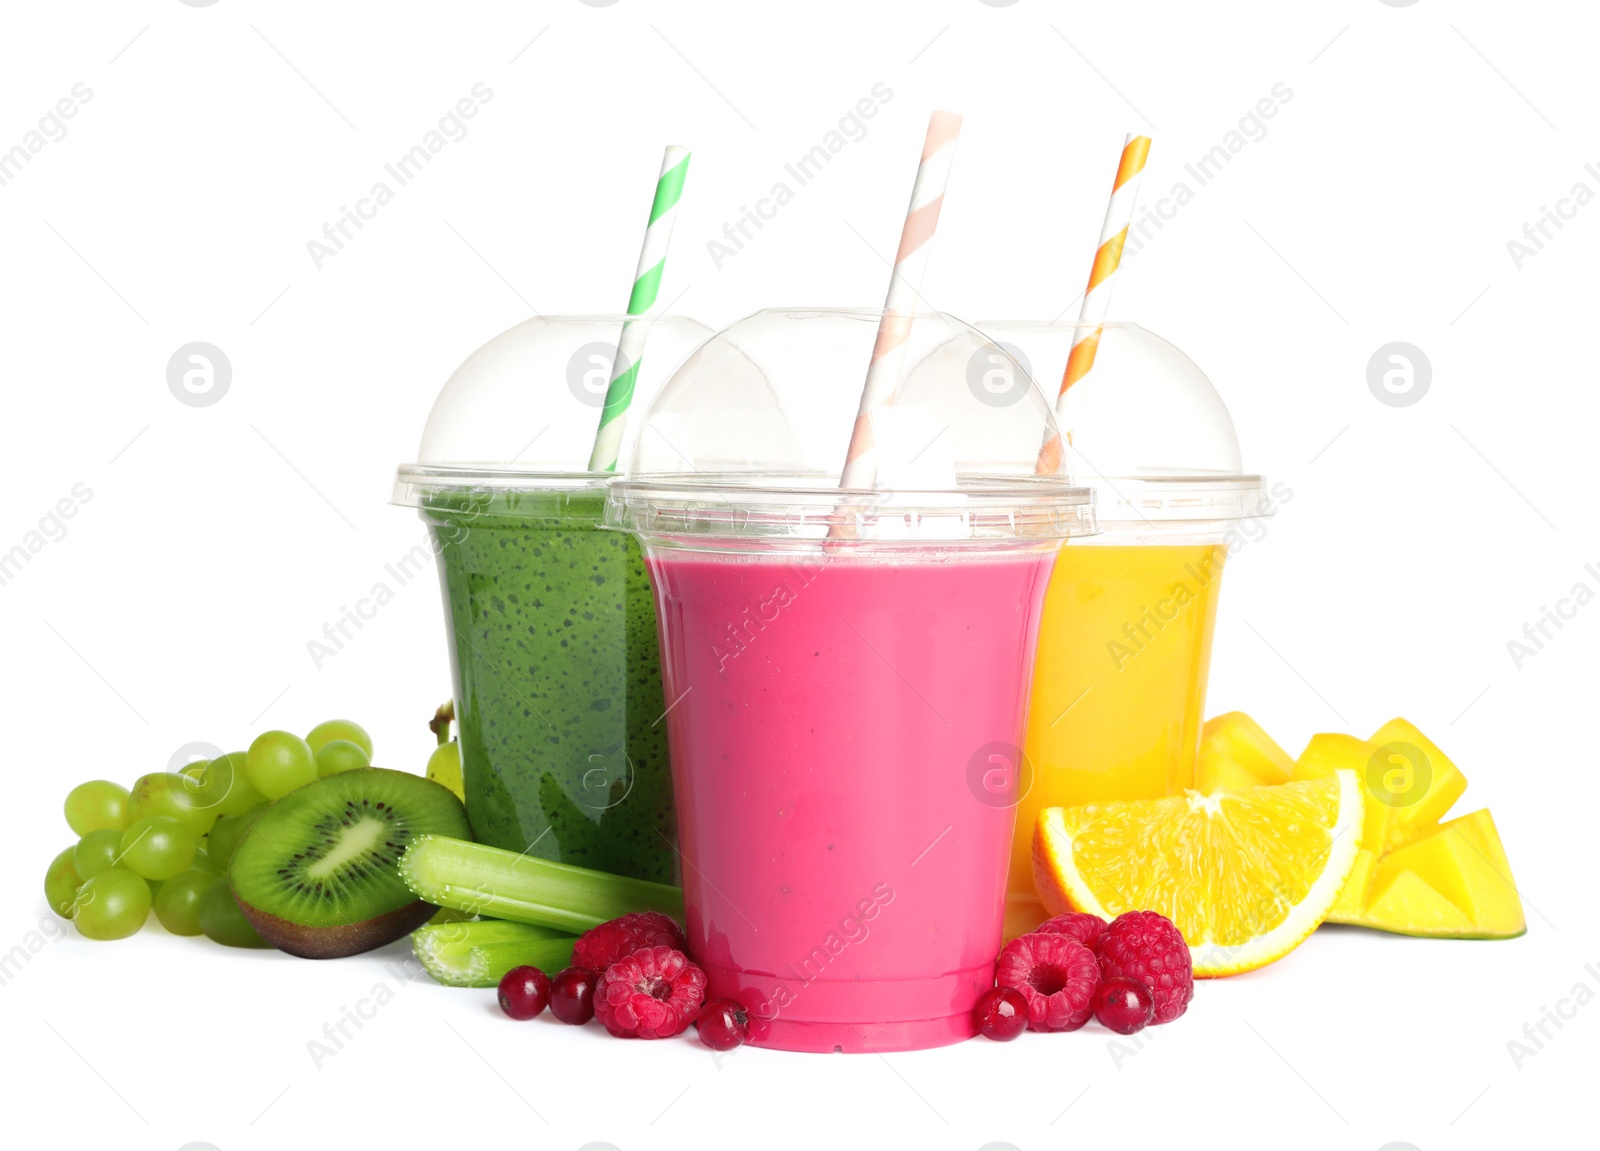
[1245,875]
[1352,901]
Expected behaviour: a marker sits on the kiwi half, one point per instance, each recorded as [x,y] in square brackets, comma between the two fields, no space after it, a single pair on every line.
[316,875]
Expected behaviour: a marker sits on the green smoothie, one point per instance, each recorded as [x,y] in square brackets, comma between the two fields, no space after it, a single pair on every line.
[557,679]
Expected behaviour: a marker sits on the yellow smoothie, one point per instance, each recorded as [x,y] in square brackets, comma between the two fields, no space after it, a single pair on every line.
[1119,685]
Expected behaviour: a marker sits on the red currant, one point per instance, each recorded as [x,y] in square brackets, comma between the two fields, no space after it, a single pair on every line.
[572,995]
[723,1024]
[1001,1013]
[524,991]
[1124,1004]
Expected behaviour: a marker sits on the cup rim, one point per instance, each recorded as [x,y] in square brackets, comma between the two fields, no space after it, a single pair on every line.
[821,487]
[806,507]
[418,485]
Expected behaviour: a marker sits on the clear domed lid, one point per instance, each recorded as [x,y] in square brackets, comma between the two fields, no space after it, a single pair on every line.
[1145,427]
[523,409]
[750,437]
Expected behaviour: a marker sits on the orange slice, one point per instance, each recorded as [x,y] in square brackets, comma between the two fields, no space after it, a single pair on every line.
[1246,875]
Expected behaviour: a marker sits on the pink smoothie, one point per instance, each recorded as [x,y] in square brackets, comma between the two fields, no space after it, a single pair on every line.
[833,721]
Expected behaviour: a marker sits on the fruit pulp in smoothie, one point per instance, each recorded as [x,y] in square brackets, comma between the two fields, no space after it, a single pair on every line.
[557,680]
[1119,685]
[835,722]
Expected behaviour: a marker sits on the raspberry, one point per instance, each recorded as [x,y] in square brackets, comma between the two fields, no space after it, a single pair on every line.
[652,994]
[600,947]
[1146,946]
[1056,974]
[1082,926]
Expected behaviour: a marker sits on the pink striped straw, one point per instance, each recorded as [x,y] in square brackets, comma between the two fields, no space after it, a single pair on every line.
[910,264]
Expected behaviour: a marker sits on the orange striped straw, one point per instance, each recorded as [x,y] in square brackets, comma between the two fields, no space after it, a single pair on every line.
[910,264]
[1097,296]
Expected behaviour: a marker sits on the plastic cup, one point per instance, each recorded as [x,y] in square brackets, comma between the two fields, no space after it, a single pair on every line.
[1124,652]
[550,619]
[846,673]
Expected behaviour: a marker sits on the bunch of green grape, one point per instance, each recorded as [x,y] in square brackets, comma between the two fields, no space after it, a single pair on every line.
[165,844]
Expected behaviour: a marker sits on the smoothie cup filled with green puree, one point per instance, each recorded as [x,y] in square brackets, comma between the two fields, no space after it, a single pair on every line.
[549,620]
[846,667]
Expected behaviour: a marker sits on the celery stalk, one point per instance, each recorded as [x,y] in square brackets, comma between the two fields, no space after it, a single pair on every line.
[505,885]
[478,954]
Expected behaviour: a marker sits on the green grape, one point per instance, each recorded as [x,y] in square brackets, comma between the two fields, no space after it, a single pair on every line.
[223,787]
[61,883]
[157,847]
[225,837]
[172,795]
[278,762]
[204,862]
[113,904]
[444,767]
[341,755]
[333,729]
[96,851]
[178,904]
[222,921]
[95,805]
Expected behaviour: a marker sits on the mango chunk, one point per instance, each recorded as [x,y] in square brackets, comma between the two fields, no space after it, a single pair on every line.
[1327,753]
[1464,861]
[1419,785]
[1235,739]
[1217,773]
[1413,874]
[1407,905]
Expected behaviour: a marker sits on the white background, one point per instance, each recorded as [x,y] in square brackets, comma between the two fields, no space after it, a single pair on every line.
[1377,207]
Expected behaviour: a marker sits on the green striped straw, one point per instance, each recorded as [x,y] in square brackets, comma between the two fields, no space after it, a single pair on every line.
[646,286]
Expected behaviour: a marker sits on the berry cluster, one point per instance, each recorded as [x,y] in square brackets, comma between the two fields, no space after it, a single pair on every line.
[634,975]
[1129,973]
